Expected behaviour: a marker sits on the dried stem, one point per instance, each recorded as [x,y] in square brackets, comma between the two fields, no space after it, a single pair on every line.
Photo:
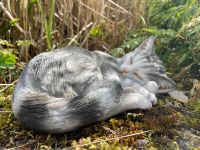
[120,7]
[11,18]
[7,86]
[76,36]
[116,138]
[95,11]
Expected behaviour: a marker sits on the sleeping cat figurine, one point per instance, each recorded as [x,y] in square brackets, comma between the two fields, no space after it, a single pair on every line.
[65,89]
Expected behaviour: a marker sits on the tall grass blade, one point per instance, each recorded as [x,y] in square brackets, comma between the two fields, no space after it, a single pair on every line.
[48,24]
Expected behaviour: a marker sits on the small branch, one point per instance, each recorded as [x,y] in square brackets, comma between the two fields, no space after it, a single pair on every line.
[117,5]
[53,32]
[87,36]
[7,86]
[30,142]
[80,32]
[183,71]
[6,111]
[11,18]
[110,130]
[94,11]
[112,139]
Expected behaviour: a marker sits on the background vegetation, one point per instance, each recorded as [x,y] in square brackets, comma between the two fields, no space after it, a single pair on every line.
[29,27]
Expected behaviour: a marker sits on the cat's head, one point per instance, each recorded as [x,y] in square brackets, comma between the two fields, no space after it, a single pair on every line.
[143,65]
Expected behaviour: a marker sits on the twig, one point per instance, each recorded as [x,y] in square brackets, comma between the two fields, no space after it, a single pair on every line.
[30,142]
[6,111]
[94,11]
[8,85]
[53,32]
[80,32]
[87,36]
[112,139]
[11,18]
[183,71]
[110,130]
[120,7]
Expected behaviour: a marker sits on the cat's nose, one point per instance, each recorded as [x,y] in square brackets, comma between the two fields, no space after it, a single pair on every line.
[124,70]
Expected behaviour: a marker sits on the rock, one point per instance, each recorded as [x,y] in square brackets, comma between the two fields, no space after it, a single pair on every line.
[179,96]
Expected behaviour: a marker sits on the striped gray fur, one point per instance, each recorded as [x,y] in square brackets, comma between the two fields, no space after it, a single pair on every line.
[68,88]
[142,65]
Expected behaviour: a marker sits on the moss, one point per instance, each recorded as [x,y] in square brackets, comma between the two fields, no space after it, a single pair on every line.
[5,102]
[172,123]
[5,108]
[164,143]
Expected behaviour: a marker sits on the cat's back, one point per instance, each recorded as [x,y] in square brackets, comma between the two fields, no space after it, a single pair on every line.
[56,72]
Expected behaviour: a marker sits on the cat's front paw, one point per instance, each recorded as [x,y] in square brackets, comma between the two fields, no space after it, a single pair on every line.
[145,104]
[148,102]
[151,86]
[152,98]
[148,95]
[135,100]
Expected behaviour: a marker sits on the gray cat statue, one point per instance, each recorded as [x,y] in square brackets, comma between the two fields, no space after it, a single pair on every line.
[65,89]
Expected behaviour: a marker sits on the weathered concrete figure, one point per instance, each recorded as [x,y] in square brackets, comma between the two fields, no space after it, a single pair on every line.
[68,88]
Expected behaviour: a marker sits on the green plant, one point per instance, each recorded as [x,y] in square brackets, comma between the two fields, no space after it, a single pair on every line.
[176,24]
[47,23]
[9,69]
[4,28]
[7,60]
[7,63]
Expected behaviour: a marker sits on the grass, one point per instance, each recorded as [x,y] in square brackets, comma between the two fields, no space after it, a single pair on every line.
[52,24]
[48,24]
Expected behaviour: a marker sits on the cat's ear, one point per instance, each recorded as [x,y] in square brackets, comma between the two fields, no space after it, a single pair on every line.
[145,49]
[147,46]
